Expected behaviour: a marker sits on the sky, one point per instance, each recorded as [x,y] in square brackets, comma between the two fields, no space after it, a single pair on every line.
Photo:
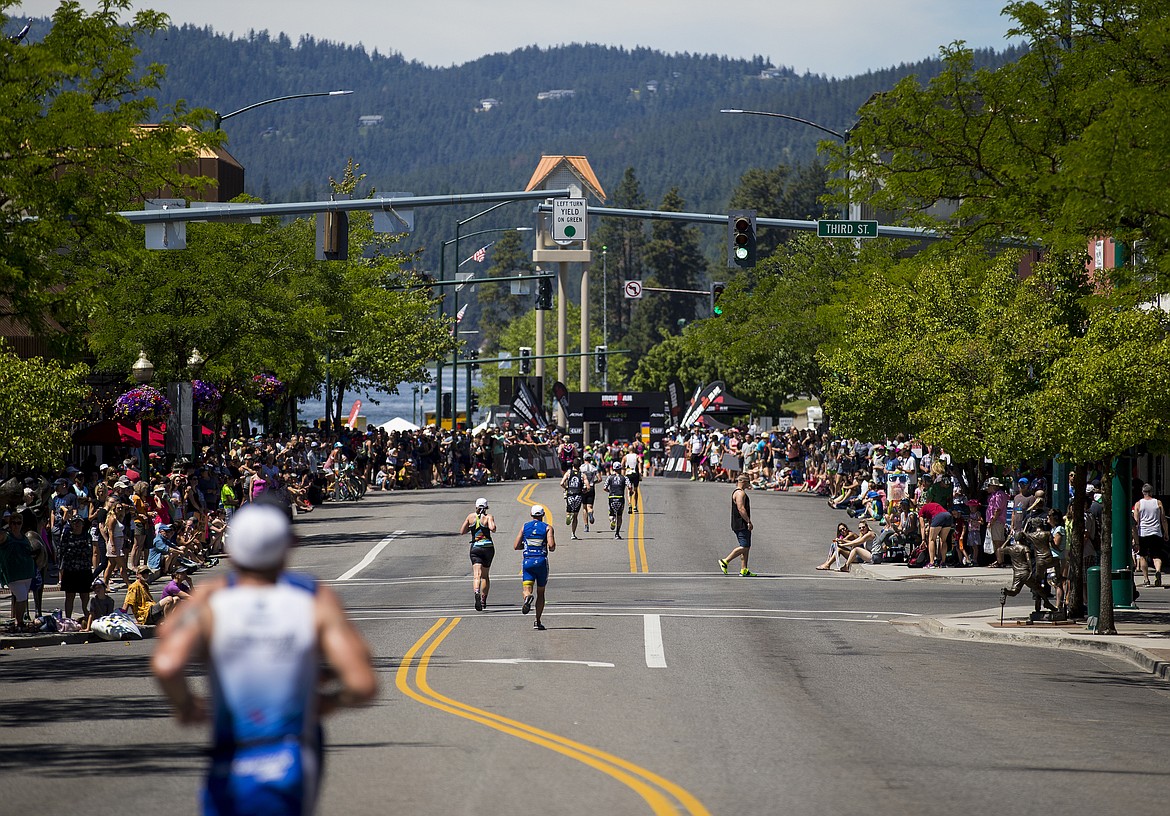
[832,37]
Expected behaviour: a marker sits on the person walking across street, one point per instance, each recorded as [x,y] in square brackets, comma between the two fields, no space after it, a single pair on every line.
[537,540]
[632,466]
[615,487]
[741,525]
[1150,518]
[589,495]
[573,485]
[481,524]
[263,634]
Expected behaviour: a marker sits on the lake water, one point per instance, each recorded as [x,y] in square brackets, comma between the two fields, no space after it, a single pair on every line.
[379,407]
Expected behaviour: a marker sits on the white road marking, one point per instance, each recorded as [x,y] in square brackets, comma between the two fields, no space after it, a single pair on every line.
[655,651]
[370,556]
[514,660]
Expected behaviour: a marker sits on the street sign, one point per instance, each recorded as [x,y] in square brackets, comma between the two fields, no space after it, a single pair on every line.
[847,229]
[570,220]
[633,290]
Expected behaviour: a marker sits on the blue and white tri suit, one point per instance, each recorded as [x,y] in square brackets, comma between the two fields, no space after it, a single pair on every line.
[535,538]
[264,669]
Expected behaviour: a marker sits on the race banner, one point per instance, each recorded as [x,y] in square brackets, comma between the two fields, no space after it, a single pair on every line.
[674,398]
[561,395]
[704,397]
[525,406]
[353,414]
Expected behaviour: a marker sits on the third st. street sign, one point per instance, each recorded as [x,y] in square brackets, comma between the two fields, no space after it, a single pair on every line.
[847,229]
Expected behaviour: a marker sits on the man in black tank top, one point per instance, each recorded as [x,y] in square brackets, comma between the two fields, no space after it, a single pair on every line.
[741,525]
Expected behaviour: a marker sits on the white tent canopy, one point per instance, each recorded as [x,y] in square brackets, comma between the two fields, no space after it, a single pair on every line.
[398,424]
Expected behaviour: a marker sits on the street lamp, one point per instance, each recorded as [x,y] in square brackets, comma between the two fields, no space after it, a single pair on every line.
[442,277]
[219,118]
[843,137]
[143,373]
[195,366]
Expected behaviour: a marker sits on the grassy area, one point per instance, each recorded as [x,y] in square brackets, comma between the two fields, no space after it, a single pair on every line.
[796,406]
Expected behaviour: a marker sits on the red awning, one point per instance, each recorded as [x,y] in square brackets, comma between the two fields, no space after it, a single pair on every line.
[112,432]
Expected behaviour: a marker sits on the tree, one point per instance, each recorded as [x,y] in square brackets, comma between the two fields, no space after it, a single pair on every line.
[1061,144]
[498,306]
[670,359]
[780,317]
[39,400]
[673,261]
[620,242]
[72,110]
[781,192]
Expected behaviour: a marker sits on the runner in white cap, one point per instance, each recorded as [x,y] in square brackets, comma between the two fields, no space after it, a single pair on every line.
[263,633]
[481,524]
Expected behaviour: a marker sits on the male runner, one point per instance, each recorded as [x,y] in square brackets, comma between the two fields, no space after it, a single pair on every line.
[537,540]
[574,486]
[632,465]
[741,525]
[263,634]
[589,496]
[481,524]
[615,486]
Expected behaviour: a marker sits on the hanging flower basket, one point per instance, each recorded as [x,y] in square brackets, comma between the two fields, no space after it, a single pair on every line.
[142,404]
[268,388]
[206,395]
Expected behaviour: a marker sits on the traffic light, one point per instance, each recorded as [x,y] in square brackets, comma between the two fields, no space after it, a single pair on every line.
[472,404]
[544,295]
[741,238]
[473,357]
[447,405]
[599,360]
[716,291]
[525,361]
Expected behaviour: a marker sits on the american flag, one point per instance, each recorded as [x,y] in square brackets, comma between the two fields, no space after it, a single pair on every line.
[458,318]
[480,256]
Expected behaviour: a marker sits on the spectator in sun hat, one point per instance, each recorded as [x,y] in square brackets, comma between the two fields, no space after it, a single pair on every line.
[100,602]
[75,555]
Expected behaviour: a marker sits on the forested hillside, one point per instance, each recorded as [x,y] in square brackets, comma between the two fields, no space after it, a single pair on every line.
[658,113]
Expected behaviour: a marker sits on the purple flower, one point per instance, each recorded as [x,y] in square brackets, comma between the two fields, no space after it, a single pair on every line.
[142,403]
[268,387]
[206,394]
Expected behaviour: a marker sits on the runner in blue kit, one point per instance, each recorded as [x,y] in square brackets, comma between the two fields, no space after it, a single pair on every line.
[537,540]
[481,524]
[263,634]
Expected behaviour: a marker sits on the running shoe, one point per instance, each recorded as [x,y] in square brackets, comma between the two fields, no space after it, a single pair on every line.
[612,523]
[632,509]
[537,625]
[568,519]
[617,535]
[526,607]
[723,566]
[574,538]
[478,603]
[591,517]
[746,573]
[586,528]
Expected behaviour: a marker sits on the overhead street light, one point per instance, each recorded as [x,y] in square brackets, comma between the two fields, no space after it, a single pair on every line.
[219,118]
[830,131]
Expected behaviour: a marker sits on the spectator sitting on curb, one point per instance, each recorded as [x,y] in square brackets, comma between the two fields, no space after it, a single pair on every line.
[842,544]
[178,589]
[100,603]
[869,551]
[139,602]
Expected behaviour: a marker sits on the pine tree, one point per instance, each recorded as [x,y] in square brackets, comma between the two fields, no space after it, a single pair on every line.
[620,241]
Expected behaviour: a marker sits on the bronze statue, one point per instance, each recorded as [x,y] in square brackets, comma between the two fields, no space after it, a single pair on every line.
[1023,575]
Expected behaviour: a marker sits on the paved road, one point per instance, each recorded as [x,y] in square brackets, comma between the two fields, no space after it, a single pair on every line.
[660,687]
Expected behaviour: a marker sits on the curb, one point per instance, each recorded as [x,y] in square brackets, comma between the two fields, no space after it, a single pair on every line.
[63,638]
[1144,660]
[934,576]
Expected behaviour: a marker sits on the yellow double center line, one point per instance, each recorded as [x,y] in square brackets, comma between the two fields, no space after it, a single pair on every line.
[636,536]
[659,793]
[525,496]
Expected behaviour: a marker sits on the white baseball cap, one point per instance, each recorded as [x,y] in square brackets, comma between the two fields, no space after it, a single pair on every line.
[481,502]
[259,537]
[537,510]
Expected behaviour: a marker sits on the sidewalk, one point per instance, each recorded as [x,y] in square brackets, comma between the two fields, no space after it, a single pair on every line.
[1143,634]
